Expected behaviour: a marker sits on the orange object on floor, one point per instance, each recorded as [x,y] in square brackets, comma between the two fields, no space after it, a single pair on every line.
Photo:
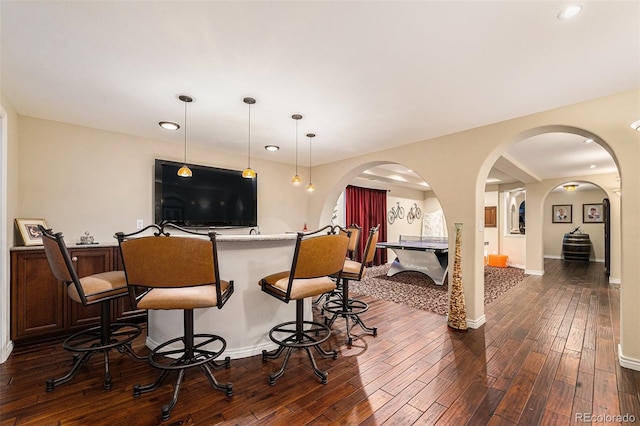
[498,260]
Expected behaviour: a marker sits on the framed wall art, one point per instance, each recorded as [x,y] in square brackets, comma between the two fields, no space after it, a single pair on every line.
[562,213]
[592,213]
[31,235]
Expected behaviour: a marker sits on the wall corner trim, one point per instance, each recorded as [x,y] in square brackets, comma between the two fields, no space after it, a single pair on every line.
[477,322]
[6,351]
[626,362]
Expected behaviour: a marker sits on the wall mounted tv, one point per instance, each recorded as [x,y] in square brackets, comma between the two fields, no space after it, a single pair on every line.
[212,197]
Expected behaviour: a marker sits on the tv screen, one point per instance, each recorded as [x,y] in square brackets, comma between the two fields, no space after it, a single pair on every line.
[211,197]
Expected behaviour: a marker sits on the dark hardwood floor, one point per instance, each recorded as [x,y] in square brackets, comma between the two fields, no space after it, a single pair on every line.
[547,355]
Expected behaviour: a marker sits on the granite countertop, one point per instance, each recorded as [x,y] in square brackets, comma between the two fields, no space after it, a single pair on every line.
[219,237]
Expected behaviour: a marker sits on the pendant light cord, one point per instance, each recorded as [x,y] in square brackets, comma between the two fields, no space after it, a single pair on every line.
[310,159]
[185,132]
[249,135]
[296,147]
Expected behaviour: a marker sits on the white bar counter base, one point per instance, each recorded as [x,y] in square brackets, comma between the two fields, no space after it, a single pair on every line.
[245,320]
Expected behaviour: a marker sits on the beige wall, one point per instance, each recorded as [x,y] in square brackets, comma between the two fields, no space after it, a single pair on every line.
[456,167]
[554,232]
[81,179]
[10,178]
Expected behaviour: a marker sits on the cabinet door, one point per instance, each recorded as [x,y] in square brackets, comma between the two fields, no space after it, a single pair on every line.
[38,300]
[87,262]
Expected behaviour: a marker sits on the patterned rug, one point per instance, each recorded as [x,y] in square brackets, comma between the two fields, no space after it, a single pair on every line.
[419,291]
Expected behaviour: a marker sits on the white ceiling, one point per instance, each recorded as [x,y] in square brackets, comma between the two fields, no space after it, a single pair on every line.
[365,75]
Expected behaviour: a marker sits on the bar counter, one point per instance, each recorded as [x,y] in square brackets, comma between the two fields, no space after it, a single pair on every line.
[245,320]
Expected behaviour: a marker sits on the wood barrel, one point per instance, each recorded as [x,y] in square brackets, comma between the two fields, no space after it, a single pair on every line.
[576,247]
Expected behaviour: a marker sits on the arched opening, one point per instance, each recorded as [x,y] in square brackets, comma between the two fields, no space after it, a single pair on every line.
[412,213]
[560,171]
[575,208]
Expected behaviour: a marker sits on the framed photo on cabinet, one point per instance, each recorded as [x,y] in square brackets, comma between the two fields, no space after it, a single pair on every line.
[31,235]
[592,213]
[562,213]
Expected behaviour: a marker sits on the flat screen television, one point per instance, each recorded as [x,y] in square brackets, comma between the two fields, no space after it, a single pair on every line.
[212,197]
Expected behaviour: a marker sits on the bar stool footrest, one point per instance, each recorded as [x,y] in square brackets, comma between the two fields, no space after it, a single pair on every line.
[166,357]
[91,340]
[352,307]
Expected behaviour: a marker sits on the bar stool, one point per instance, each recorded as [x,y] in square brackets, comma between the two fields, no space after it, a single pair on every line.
[350,309]
[353,232]
[177,273]
[94,289]
[317,256]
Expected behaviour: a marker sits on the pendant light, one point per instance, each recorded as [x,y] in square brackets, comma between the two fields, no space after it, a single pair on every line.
[249,173]
[296,180]
[310,187]
[185,171]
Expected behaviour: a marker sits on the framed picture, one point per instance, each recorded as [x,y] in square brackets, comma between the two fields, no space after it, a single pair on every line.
[592,213]
[562,213]
[31,235]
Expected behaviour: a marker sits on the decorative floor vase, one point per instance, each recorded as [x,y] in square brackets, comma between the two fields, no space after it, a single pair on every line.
[457,318]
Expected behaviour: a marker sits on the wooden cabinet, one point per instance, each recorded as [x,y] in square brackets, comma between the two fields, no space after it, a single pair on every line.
[40,307]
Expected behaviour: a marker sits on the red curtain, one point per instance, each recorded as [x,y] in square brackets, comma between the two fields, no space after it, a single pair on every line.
[367,208]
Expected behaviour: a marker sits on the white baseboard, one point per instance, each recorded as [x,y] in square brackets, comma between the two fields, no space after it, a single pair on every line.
[615,281]
[6,351]
[633,364]
[534,272]
[477,322]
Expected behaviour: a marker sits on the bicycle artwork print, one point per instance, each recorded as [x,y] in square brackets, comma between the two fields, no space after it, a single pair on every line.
[414,213]
[396,212]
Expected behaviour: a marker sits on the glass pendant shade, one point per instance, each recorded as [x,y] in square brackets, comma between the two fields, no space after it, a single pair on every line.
[185,171]
[296,180]
[310,187]
[249,173]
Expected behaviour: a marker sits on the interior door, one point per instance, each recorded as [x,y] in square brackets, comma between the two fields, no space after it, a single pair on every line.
[606,216]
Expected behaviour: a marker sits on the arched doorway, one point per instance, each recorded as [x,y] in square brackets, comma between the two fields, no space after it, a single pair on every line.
[541,160]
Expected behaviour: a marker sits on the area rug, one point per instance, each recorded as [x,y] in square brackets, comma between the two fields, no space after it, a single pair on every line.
[419,291]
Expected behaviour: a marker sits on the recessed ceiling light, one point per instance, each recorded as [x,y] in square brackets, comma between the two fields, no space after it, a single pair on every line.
[569,12]
[588,140]
[636,125]
[593,166]
[272,148]
[169,125]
